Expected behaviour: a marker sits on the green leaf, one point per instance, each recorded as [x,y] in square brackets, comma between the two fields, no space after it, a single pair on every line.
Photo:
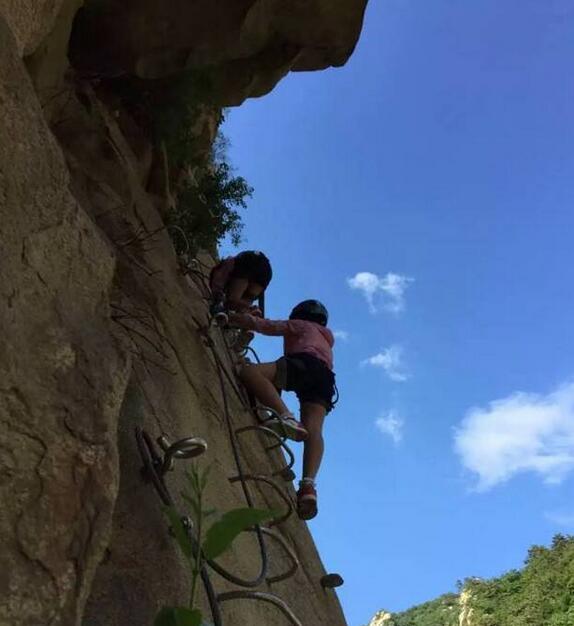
[178,616]
[179,531]
[205,477]
[222,533]
[193,478]
[193,503]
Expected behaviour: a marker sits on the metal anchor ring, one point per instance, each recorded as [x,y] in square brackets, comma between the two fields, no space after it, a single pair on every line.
[186,448]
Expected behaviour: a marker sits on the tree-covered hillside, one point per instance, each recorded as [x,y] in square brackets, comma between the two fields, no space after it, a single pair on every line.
[541,594]
[443,611]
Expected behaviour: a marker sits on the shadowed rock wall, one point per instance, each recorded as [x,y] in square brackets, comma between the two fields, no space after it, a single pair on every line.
[101,331]
[62,374]
[249,45]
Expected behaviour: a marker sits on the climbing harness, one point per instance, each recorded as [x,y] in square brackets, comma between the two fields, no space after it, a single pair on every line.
[248,350]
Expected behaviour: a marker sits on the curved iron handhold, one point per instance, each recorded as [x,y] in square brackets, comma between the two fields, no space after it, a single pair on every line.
[292,556]
[263,597]
[280,444]
[276,488]
[186,448]
[264,414]
[211,597]
[331,581]
[242,582]
[152,465]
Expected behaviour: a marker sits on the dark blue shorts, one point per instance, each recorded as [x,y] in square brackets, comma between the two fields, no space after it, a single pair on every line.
[308,377]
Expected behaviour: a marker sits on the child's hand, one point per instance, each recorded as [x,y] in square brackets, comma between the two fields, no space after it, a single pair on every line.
[237,319]
[255,311]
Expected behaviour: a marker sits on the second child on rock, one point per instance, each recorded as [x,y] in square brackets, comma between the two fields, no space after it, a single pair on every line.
[307,369]
[236,282]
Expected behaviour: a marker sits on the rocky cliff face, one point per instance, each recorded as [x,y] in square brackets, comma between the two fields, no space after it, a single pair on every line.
[382,618]
[445,610]
[248,44]
[102,333]
[466,610]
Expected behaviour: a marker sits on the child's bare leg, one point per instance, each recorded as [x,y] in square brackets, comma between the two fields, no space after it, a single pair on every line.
[313,416]
[258,380]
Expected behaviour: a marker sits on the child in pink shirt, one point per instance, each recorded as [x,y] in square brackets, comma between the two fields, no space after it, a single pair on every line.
[307,369]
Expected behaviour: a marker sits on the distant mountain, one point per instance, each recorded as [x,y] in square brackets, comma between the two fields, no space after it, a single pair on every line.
[541,594]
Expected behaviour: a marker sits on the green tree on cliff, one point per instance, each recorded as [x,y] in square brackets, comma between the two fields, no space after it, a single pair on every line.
[208,194]
[541,594]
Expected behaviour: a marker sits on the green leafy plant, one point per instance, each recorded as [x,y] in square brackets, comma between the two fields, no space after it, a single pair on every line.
[183,101]
[180,116]
[206,209]
[200,545]
[208,194]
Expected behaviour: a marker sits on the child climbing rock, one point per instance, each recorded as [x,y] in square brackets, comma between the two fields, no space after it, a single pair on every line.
[236,282]
[307,369]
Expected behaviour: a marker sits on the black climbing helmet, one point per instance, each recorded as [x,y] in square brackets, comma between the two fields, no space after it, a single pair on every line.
[310,311]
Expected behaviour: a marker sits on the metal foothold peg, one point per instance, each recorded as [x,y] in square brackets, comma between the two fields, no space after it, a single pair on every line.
[331,581]
[186,448]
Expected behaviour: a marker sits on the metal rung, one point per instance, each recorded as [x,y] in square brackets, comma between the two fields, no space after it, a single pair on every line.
[262,597]
[280,444]
[276,488]
[292,556]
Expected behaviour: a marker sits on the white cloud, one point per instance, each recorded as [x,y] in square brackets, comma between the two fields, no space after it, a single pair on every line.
[391,288]
[391,424]
[561,519]
[341,334]
[524,432]
[391,361]
[367,283]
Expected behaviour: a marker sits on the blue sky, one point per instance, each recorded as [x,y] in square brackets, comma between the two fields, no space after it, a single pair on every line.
[434,173]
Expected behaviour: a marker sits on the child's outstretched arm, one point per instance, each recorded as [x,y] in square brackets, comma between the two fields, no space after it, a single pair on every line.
[273,328]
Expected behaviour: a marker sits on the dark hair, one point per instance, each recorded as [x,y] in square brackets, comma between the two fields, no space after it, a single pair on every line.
[310,311]
[254,266]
